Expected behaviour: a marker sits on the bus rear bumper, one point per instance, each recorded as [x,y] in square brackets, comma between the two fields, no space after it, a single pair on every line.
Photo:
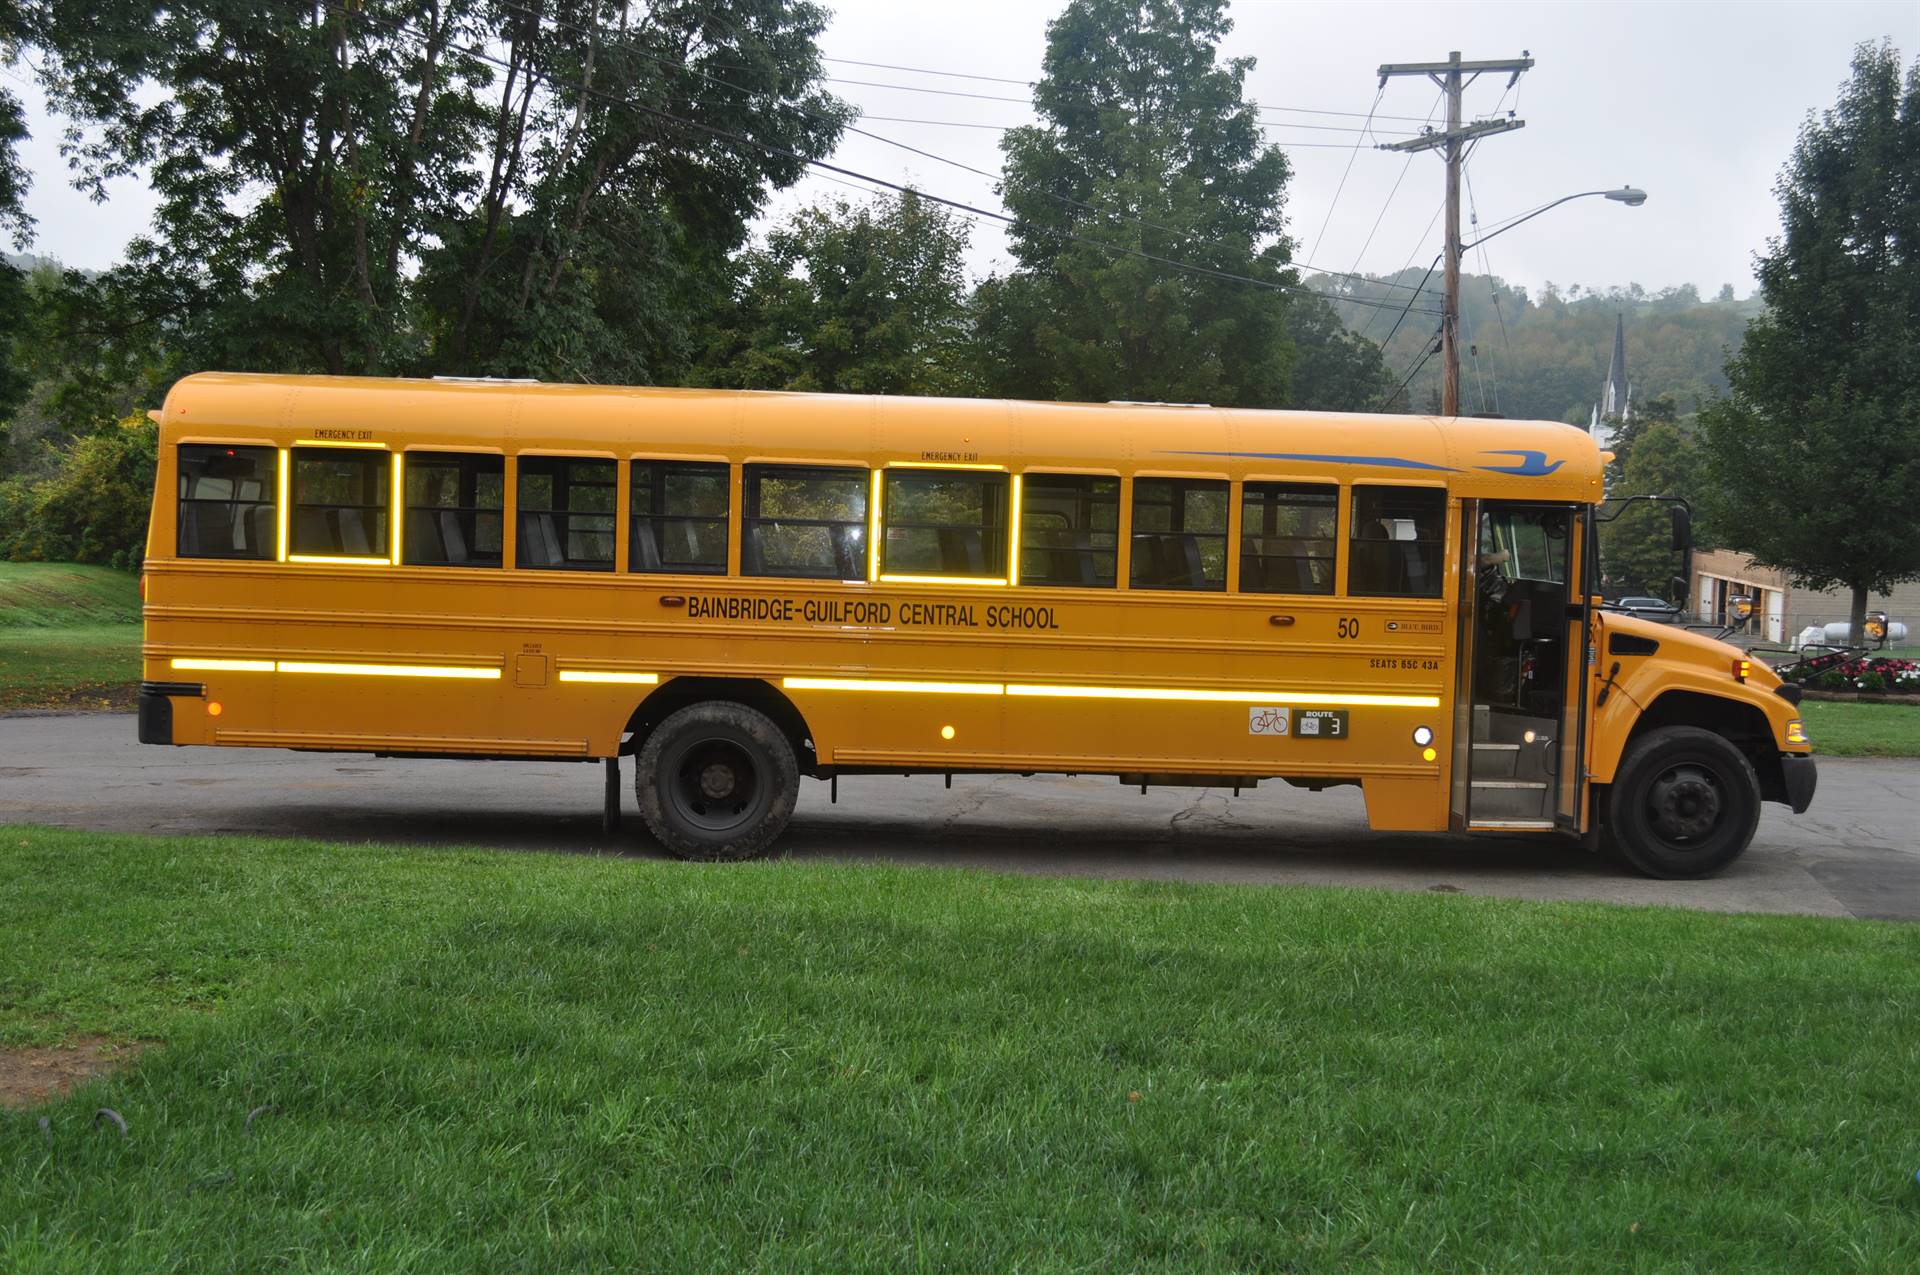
[156,708]
[1797,770]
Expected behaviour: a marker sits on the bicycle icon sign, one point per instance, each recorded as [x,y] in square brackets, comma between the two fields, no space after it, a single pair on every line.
[1268,721]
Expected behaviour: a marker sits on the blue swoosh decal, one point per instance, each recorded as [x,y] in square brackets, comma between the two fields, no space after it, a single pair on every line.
[1385,462]
[1532,464]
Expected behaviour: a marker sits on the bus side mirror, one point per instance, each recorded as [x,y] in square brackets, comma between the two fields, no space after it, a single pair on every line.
[1677,585]
[1682,527]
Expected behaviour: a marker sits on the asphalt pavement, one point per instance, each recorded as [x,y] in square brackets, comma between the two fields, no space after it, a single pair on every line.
[1856,852]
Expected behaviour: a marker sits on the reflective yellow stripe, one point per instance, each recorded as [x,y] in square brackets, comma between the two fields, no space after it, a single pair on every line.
[1013,536]
[897,579]
[325,560]
[398,519]
[870,684]
[280,518]
[943,464]
[1225,697]
[390,670]
[607,675]
[224,666]
[873,529]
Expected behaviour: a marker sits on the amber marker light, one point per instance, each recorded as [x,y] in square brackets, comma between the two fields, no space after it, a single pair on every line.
[1427,754]
[1742,670]
[214,709]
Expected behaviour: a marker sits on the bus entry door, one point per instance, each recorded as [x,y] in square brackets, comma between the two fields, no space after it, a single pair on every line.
[1524,652]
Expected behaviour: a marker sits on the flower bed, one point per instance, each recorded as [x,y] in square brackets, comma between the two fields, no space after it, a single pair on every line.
[1847,671]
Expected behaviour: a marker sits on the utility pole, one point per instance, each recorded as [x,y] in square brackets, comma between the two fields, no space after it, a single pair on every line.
[1453,76]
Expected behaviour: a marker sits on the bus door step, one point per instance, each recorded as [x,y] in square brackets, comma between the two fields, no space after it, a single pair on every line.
[1505,799]
[1511,825]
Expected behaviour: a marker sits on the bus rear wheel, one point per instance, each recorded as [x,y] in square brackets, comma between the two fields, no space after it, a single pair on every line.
[716,781]
[1685,803]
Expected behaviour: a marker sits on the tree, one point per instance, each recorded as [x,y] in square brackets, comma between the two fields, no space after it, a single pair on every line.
[1636,548]
[1813,458]
[867,299]
[1145,146]
[527,187]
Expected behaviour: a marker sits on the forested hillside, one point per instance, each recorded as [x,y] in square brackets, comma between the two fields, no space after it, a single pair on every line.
[1545,358]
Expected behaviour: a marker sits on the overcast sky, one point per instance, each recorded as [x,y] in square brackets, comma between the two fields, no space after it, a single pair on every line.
[1695,102]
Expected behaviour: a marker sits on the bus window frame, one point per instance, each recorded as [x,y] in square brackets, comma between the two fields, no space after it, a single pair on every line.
[564,453]
[506,503]
[1120,512]
[277,502]
[396,470]
[1449,517]
[877,518]
[729,522]
[738,536]
[1130,499]
[1341,500]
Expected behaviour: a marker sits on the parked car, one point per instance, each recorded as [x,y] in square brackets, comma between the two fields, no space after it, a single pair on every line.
[1647,609]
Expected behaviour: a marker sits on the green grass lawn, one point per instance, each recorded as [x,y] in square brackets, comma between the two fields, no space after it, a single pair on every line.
[489,1061]
[69,635]
[1841,729]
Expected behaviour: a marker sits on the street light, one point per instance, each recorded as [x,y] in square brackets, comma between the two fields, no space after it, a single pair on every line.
[1631,196]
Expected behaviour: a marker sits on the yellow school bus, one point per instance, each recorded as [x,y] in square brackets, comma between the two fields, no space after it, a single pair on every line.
[741,589]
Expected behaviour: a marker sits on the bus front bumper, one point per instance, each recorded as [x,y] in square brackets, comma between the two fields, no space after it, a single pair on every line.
[1798,771]
[156,708]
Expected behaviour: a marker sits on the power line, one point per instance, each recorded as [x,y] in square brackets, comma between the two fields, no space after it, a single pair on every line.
[1027,101]
[1344,174]
[925,154]
[1431,351]
[1001,79]
[1285,143]
[772,149]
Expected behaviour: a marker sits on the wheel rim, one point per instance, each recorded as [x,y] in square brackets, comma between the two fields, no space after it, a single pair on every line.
[715,784]
[1685,804]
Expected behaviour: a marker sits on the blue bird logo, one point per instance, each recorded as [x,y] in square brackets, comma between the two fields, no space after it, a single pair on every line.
[1532,464]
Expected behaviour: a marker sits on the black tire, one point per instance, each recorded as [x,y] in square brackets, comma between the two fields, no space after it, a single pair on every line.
[1684,803]
[716,781]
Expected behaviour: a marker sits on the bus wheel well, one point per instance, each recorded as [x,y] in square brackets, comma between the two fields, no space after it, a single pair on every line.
[677,693]
[1742,725]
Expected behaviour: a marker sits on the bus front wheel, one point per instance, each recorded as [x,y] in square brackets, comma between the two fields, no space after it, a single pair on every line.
[716,781]
[1684,803]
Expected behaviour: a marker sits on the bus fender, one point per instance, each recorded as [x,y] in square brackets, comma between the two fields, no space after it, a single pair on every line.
[678,692]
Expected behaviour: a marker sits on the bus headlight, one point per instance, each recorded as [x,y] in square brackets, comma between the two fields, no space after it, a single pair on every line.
[1797,732]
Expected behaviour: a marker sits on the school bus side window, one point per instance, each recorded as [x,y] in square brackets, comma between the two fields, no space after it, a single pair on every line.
[565,514]
[1069,530]
[456,508]
[340,497]
[679,517]
[227,502]
[941,522]
[1179,533]
[1398,537]
[1287,537]
[804,521]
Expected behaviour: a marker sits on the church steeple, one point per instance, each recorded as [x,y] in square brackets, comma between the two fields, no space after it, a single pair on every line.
[1616,397]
